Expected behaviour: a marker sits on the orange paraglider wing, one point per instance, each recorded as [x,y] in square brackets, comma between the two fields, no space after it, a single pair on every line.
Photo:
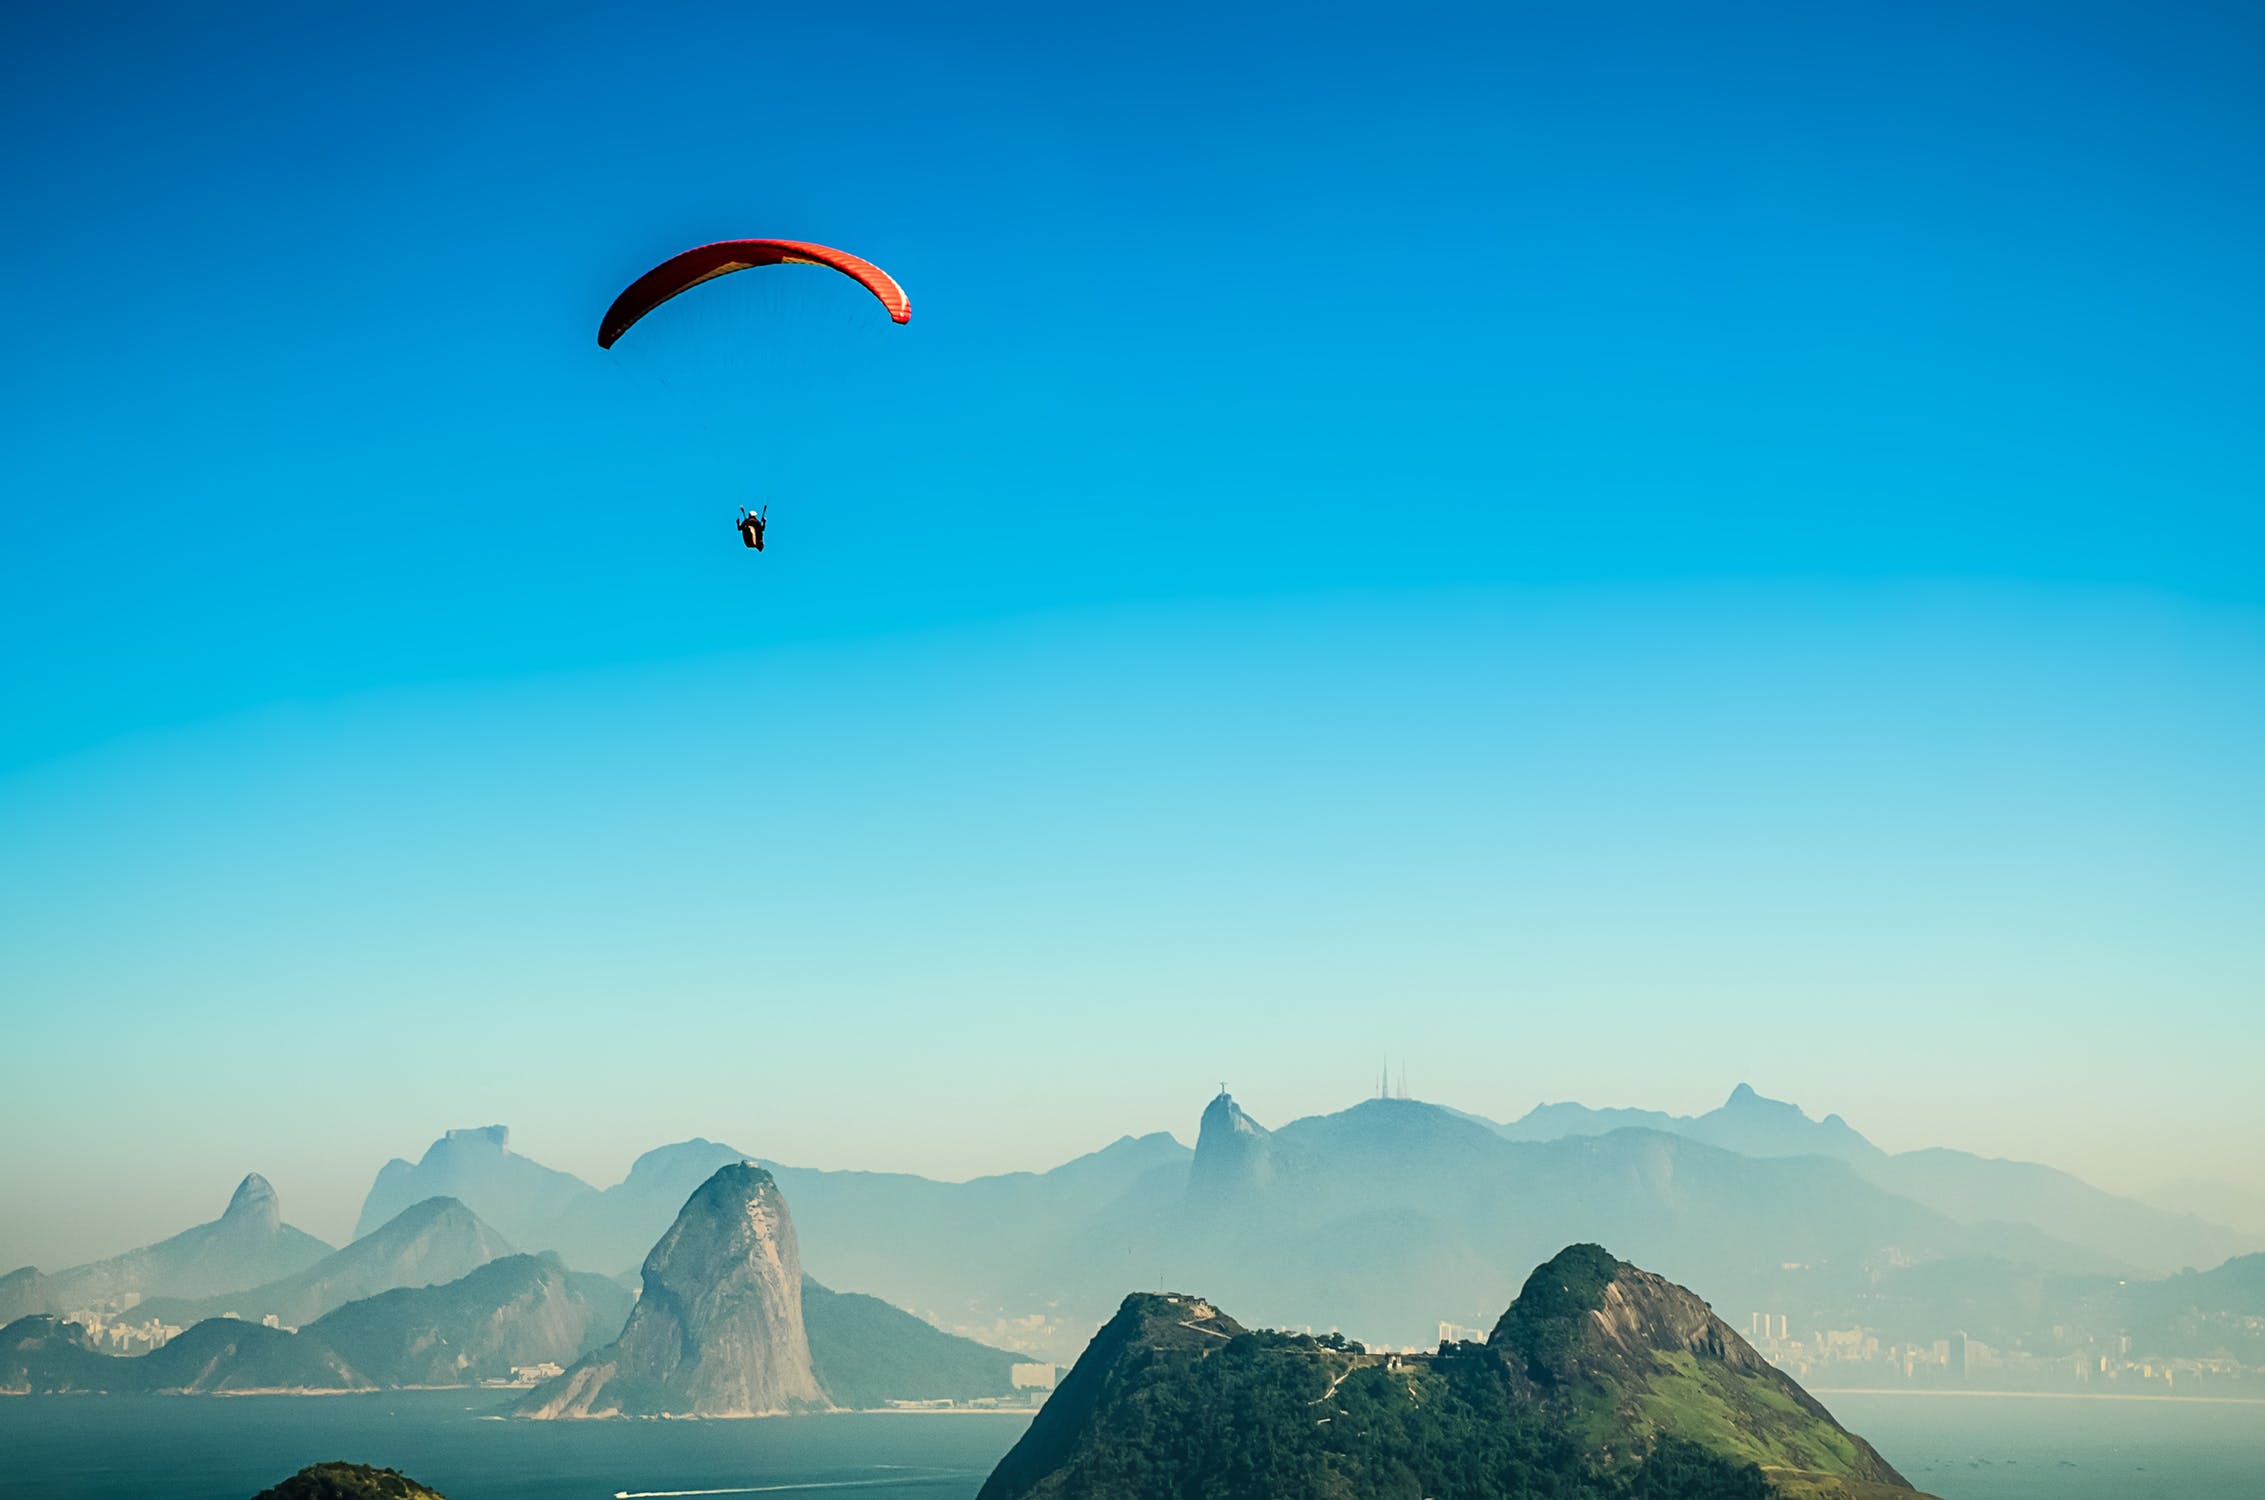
[681,273]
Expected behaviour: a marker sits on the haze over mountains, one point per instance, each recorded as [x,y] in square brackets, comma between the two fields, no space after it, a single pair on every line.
[1394,1215]
[427,1243]
[727,1324]
[1957,1183]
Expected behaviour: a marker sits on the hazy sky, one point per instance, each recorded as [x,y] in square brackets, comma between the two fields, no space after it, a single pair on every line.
[1605,555]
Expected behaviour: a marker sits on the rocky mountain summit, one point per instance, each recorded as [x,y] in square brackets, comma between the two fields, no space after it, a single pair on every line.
[718,1331]
[1601,1382]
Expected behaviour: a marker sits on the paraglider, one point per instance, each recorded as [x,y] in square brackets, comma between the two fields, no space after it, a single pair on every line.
[681,273]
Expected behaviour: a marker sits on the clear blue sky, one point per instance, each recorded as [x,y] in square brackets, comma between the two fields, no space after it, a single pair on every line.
[1604,550]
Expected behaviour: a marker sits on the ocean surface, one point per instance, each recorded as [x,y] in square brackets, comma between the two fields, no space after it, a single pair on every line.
[204,1448]
[1991,1447]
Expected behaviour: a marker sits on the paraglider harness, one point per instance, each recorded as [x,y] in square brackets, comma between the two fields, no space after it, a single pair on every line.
[751,527]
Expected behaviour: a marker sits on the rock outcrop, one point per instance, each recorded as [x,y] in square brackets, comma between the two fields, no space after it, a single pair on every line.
[718,1331]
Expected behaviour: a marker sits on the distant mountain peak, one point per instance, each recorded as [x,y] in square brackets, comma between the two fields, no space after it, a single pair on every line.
[254,1202]
[1231,1152]
[1224,1114]
[495,1137]
[520,1197]
[1743,1094]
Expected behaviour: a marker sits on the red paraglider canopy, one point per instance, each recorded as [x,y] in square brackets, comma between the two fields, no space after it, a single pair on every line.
[681,273]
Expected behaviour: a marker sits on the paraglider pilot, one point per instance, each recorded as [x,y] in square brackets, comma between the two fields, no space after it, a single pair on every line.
[751,527]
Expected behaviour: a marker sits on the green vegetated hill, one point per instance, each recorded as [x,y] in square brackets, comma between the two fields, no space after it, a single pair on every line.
[1602,1382]
[348,1482]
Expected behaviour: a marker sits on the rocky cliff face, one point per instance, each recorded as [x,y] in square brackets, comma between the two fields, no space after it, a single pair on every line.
[718,1331]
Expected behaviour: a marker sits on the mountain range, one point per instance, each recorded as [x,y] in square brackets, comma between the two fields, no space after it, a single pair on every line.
[1958,1184]
[727,1323]
[434,1241]
[1395,1212]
